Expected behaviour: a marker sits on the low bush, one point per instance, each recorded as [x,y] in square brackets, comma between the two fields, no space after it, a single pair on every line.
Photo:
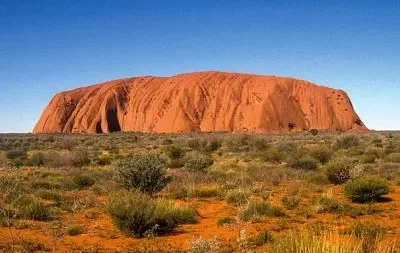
[225,221]
[16,154]
[83,180]
[197,162]
[347,141]
[74,230]
[36,159]
[318,178]
[3,160]
[322,153]
[291,201]
[364,230]
[307,241]
[49,194]
[304,163]
[75,201]
[80,157]
[338,171]
[393,158]
[262,238]
[329,205]
[205,191]
[273,155]
[256,210]
[237,197]
[366,190]
[138,215]
[369,234]
[31,208]
[174,152]
[45,184]
[238,143]
[104,160]
[144,172]
[54,159]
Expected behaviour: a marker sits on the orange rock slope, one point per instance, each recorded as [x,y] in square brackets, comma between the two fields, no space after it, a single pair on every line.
[204,101]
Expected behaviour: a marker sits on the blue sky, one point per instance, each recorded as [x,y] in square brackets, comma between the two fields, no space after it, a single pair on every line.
[49,46]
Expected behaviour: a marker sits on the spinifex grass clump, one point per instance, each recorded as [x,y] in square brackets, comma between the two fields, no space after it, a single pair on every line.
[256,210]
[327,242]
[139,215]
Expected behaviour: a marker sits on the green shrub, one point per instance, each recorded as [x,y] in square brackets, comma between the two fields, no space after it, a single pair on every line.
[74,230]
[291,202]
[3,160]
[347,141]
[31,208]
[237,197]
[167,141]
[132,212]
[338,171]
[259,143]
[304,163]
[197,162]
[238,143]
[262,238]
[49,194]
[174,152]
[299,242]
[255,210]
[314,131]
[44,184]
[104,160]
[36,159]
[56,159]
[369,234]
[364,230]
[366,190]
[205,191]
[80,157]
[322,153]
[83,181]
[318,178]
[75,201]
[144,172]
[194,144]
[393,158]
[329,205]
[16,154]
[168,214]
[224,221]
[273,155]
[137,214]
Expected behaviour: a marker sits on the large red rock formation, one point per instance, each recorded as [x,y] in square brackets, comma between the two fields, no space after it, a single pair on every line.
[204,101]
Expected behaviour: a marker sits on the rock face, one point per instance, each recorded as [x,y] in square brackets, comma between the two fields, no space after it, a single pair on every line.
[204,101]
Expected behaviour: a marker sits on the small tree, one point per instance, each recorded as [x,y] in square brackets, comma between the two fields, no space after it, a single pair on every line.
[144,172]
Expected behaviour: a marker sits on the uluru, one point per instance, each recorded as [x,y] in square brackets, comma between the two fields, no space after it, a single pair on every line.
[200,102]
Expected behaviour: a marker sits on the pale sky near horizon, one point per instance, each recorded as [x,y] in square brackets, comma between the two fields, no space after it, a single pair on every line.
[48,46]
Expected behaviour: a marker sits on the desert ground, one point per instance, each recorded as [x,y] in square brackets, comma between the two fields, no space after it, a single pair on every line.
[200,192]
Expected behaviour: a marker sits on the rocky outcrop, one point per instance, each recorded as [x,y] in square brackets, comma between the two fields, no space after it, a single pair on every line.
[204,101]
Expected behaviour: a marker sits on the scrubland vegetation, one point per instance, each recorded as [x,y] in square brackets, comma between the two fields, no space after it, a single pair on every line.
[220,192]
